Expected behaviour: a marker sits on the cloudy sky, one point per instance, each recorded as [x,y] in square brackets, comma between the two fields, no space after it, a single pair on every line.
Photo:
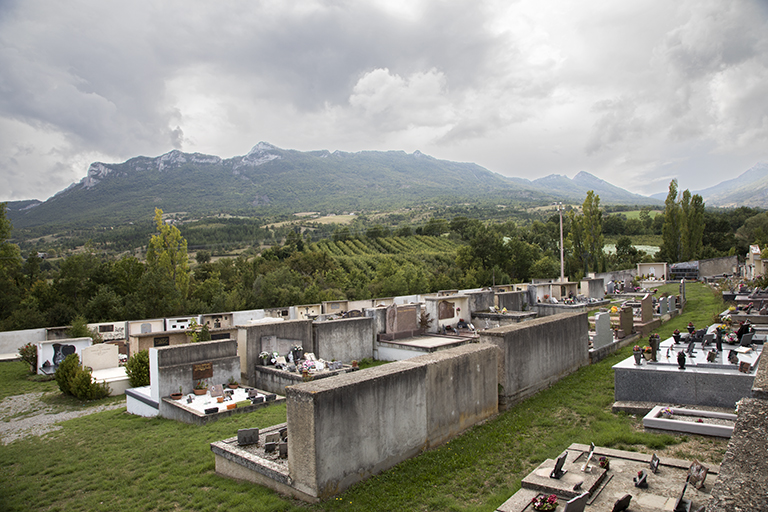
[635,92]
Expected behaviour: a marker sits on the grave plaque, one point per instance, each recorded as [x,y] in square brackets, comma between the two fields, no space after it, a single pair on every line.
[217,390]
[641,480]
[246,436]
[558,471]
[161,341]
[577,504]
[622,504]
[697,473]
[745,367]
[445,310]
[683,505]
[202,371]
[655,463]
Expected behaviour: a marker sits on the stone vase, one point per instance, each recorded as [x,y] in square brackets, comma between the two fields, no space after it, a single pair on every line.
[638,355]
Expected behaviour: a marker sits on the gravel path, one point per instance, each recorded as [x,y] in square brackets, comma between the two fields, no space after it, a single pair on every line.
[30,416]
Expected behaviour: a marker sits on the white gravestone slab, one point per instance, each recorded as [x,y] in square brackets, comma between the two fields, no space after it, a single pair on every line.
[603,331]
[663,306]
[672,303]
[100,356]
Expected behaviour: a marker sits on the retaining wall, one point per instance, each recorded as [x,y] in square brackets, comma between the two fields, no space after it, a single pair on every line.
[347,428]
[537,353]
[513,301]
[11,341]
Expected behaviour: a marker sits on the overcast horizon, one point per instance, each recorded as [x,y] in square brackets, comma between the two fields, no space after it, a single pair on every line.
[636,93]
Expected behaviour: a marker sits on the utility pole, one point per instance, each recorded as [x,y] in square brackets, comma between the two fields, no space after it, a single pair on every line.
[562,260]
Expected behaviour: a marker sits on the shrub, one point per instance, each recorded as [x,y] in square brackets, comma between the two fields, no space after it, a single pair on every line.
[79,329]
[137,368]
[74,380]
[66,372]
[28,354]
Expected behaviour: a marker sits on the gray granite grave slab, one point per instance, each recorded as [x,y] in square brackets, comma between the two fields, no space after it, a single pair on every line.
[246,436]
[663,306]
[566,486]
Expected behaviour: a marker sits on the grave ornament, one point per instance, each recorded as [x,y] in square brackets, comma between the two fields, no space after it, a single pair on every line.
[681,360]
[622,503]
[558,471]
[586,467]
[655,463]
[697,473]
[577,504]
[641,480]
[733,357]
[682,504]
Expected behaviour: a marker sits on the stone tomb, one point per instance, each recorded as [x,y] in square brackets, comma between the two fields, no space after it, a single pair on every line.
[661,490]
[647,323]
[104,362]
[51,353]
[626,322]
[716,383]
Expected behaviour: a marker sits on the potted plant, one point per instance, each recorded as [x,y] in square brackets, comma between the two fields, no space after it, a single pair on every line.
[201,387]
[676,335]
[691,328]
[638,353]
[667,412]
[233,384]
[544,502]
[604,462]
[264,358]
[647,352]
[177,396]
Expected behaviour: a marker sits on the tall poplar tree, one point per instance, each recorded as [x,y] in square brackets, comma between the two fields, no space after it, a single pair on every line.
[670,231]
[683,229]
[167,254]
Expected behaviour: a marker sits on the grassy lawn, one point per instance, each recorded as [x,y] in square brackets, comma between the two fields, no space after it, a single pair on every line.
[115,461]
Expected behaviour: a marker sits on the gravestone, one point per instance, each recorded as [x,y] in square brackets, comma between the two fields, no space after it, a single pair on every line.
[273,437]
[641,480]
[672,303]
[531,293]
[663,306]
[609,288]
[655,463]
[646,308]
[558,471]
[622,503]
[216,390]
[627,283]
[100,356]
[391,313]
[247,436]
[577,504]
[603,331]
[626,322]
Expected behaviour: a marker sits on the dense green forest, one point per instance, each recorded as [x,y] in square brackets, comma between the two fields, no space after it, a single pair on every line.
[159,268]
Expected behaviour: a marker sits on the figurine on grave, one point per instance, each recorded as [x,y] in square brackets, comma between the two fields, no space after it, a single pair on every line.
[654,341]
[681,360]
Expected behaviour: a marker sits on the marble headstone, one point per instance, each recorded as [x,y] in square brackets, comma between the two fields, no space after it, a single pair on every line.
[100,356]
[646,309]
[663,306]
[603,332]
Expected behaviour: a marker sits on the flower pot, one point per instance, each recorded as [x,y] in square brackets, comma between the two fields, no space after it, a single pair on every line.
[638,356]
[176,396]
[220,399]
[231,406]
[200,391]
[676,337]
[647,355]
[264,361]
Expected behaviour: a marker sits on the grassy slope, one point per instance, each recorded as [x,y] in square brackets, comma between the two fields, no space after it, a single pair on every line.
[112,460]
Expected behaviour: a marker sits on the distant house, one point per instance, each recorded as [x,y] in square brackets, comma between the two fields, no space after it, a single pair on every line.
[755,265]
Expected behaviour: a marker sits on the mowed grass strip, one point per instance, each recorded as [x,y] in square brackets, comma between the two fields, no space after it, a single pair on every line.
[115,461]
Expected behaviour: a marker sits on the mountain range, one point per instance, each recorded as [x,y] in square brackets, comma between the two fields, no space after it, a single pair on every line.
[271,180]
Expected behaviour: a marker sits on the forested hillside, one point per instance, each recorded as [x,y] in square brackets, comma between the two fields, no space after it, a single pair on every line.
[176,269]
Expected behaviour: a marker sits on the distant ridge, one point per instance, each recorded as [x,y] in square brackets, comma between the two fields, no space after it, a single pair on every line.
[269,180]
[750,188]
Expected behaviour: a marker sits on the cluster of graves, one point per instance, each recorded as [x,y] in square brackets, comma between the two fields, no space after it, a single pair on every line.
[602,479]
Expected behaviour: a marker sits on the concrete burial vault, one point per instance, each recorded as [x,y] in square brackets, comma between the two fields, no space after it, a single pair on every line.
[344,429]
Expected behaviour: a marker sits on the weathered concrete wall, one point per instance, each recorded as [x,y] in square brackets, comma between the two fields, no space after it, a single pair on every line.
[545,309]
[171,367]
[282,335]
[479,301]
[538,352]
[344,340]
[718,266]
[344,429]
[11,341]
[513,301]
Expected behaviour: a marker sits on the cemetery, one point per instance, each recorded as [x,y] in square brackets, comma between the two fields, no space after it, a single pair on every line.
[603,479]
[693,421]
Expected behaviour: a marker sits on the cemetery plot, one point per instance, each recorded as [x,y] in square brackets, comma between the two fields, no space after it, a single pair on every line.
[708,423]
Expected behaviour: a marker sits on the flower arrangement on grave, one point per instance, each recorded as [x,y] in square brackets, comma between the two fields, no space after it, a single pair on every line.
[614,309]
[731,308]
[676,335]
[637,348]
[647,352]
[273,358]
[604,462]
[233,384]
[201,387]
[264,358]
[667,412]
[691,328]
[544,502]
